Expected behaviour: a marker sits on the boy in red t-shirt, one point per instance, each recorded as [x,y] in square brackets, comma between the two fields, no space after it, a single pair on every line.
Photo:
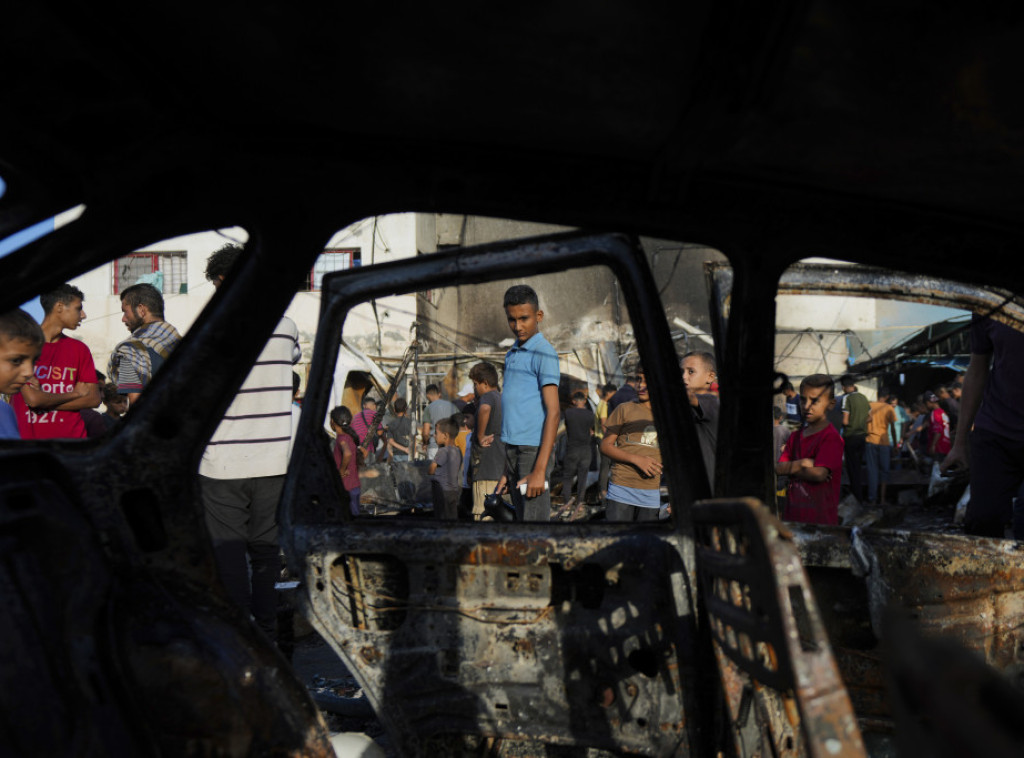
[813,457]
[65,378]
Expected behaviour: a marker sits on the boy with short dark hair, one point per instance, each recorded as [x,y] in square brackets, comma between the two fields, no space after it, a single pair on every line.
[698,377]
[400,432]
[487,451]
[813,457]
[65,379]
[116,405]
[792,401]
[446,472]
[529,407]
[631,441]
[21,340]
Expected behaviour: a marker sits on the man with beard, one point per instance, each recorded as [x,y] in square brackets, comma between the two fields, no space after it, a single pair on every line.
[134,361]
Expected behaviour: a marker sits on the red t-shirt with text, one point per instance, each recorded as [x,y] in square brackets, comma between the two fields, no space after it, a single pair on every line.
[815,502]
[62,364]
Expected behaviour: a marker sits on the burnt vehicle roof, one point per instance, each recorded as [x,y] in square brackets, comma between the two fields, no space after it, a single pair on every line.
[895,126]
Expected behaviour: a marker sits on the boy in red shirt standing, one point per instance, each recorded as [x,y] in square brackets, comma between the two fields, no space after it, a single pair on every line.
[65,378]
[813,457]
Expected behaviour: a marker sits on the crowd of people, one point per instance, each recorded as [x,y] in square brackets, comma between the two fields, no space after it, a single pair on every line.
[59,397]
[54,389]
[501,440]
[498,434]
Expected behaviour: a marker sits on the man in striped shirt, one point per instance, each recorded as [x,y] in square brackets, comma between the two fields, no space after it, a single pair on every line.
[243,468]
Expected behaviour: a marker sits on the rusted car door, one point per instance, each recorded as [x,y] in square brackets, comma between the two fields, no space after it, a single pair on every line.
[463,633]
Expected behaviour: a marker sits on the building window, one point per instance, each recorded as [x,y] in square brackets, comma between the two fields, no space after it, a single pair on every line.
[165,271]
[331,260]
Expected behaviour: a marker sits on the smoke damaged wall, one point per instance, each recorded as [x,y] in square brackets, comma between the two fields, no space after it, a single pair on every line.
[581,307]
[577,305]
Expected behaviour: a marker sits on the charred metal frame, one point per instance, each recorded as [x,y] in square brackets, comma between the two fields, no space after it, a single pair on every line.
[772,648]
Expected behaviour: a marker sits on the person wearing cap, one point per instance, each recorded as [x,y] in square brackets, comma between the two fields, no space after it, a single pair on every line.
[464,401]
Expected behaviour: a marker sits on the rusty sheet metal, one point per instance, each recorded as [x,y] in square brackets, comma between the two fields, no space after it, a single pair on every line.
[769,636]
[968,589]
[581,641]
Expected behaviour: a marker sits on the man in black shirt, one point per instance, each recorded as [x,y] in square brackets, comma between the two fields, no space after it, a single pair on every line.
[579,428]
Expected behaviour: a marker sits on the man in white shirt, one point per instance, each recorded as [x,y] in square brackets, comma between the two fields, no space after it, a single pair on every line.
[243,468]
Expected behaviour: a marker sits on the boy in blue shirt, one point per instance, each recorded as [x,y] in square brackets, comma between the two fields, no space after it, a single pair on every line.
[21,340]
[529,407]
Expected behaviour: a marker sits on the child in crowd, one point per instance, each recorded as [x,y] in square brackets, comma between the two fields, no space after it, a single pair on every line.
[400,432]
[792,400]
[698,378]
[631,441]
[487,454]
[813,457]
[116,404]
[461,422]
[346,445]
[939,439]
[21,340]
[446,472]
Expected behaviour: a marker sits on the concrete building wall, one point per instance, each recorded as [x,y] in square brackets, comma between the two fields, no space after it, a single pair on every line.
[583,309]
[391,238]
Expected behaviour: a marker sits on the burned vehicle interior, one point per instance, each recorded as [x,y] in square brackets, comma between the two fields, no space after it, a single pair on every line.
[800,153]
